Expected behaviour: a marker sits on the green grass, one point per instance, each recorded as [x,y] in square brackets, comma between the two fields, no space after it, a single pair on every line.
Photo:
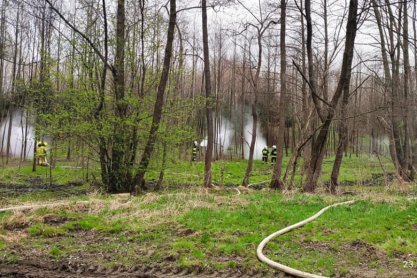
[55,251]
[353,170]
[21,185]
[221,231]
[43,230]
[96,223]
[63,173]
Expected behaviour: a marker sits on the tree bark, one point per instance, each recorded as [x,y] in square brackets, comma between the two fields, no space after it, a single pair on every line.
[398,113]
[118,175]
[342,142]
[407,162]
[209,113]
[2,50]
[254,105]
[159,103]
[276,182]
[318,150]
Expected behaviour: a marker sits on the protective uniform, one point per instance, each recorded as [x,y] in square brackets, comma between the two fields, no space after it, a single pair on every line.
[265,153]
[41,153]
[274,154]
[195,149]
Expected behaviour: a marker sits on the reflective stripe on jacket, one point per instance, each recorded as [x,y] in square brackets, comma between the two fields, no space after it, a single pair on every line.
[41,151]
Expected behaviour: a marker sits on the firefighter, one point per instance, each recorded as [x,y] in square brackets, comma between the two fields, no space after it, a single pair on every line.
[274,154]
[194,153]
[41,153]
[265,153]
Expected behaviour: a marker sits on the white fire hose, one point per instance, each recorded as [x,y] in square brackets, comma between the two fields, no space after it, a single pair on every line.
[284,268]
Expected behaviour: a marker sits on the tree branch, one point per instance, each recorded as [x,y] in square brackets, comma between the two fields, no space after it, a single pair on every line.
[92,45]
[309,84]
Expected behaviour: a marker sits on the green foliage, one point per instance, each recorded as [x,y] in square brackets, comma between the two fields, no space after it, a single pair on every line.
[44,230]
[72,115]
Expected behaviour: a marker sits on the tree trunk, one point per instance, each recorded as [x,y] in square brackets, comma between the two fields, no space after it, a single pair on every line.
[159,103]
[318,150]
[209,114]
[248,171]
[118,175]
[254,105]
[392,82]
[407,162]
[242,105]
[163,166]
[276,182]
[342,142]
[2,49]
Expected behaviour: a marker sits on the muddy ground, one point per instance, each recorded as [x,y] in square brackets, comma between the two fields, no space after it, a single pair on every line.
[30,265]
[37,270]
[36,185]
[34,264]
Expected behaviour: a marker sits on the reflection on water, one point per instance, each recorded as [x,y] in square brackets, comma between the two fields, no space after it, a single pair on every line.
[21,132]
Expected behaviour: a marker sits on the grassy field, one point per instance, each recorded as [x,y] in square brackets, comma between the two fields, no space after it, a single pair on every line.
[220,231]
[354,170]
[188,228]
[64,179]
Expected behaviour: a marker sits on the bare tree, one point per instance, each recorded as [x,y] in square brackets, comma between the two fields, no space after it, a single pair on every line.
[159,103]
[276,182]
[209,113]
[327,115]
[263,23]
[398,127]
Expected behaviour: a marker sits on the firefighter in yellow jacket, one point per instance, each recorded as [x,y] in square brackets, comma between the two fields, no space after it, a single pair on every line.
[41,153]
[194,151]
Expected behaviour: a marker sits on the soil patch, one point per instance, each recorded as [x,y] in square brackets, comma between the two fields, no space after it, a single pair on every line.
[376,179]
[17,221]
[371,260]
[35,269]
[8,190]
[54,219]
[35,186]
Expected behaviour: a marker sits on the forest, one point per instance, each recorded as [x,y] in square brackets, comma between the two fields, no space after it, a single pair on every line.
[149,138]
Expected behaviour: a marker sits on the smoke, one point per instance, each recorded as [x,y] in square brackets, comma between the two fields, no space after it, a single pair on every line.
[18,134]
[227,131]
[225,134]
[260,142]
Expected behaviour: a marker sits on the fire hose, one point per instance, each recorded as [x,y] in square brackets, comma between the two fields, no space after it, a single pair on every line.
[284,268]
